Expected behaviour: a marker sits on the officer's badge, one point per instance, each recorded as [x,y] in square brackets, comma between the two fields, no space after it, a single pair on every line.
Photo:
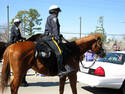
[55,20]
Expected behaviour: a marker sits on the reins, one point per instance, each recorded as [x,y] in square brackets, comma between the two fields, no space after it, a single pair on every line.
[95,59]
[65,40]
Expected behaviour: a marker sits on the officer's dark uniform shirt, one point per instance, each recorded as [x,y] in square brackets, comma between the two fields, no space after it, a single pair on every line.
[15,34]
[52,25]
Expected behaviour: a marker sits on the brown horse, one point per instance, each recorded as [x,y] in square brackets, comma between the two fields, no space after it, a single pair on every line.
[4,45]
[20,56]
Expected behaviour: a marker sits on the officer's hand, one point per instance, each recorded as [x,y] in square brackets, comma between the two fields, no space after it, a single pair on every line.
[24,39]
[57,37]
[60,35]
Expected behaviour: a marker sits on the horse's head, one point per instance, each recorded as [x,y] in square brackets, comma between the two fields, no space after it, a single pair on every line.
[97,48]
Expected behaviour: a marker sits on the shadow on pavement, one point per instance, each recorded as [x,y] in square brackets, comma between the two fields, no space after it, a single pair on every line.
[45,84]
[100,90]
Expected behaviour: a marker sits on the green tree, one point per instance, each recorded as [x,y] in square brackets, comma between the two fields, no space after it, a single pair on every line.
[100,29]
[103,37]
[31,20]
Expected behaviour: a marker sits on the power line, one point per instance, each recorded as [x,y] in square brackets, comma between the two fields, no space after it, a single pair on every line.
[3,27]
[89,33]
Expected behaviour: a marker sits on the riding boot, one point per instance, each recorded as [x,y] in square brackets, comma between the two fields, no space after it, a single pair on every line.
[61,71]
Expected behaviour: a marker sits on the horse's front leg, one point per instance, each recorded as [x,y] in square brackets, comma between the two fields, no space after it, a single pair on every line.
[62,84]
[73,82]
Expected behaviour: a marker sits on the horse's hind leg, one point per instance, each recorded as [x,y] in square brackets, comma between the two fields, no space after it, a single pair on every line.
[62,83]
[15,85]
[73,81]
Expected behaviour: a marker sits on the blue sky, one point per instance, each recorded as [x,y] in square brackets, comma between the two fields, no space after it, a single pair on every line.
[90,10]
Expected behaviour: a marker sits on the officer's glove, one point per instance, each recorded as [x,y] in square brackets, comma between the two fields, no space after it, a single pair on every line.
[56,37]
[61,36]
[24,39]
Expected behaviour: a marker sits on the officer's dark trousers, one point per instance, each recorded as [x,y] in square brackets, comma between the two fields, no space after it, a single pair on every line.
[54,47]
[58,54]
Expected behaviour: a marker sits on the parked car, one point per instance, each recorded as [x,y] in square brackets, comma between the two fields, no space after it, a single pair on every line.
[108,72]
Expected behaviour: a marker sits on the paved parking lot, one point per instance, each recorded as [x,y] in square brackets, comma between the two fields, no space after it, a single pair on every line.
[50,85]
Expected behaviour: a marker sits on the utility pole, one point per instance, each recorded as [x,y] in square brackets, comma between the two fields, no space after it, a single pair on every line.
[8,20]
[80,26]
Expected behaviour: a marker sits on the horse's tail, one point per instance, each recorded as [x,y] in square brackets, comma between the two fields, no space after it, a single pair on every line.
[5,74]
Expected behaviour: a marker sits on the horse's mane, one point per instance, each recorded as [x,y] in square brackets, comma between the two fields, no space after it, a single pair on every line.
[76,45]
[88,38]
[73,49]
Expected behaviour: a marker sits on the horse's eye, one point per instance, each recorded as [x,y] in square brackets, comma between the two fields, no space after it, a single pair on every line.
[95,46]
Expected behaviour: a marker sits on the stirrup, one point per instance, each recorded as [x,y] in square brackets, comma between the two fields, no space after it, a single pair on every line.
[63,73]
[69,69]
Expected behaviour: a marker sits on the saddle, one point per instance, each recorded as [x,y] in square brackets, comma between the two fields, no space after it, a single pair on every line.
[46,55]
[42,50]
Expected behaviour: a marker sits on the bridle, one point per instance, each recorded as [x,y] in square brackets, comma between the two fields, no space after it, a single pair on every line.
[96,54]
[95,59]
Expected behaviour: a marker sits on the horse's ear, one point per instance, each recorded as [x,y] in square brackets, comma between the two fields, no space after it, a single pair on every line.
[94,46]
[98,34]
[98,43]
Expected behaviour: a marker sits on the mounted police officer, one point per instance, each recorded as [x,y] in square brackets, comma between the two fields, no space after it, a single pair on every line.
[52,31]
[15,35]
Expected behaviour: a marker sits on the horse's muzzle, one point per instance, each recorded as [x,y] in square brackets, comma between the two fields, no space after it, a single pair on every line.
[102,53]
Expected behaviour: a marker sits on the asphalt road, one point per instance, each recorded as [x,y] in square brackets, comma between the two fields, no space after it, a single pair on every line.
[50,85]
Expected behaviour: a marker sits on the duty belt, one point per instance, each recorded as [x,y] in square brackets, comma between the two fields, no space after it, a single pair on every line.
[48,34]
